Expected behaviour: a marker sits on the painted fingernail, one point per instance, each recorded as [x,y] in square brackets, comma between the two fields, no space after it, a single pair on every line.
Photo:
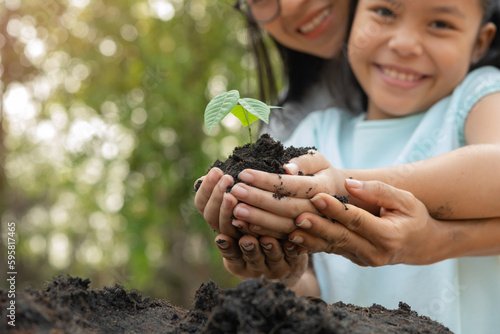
[304,224]
[240,212]
[297,239]
[292,168]
[354,184]
[267,246]
[223,244]
[248,246]
[239,192]
[246,177]
[318,202]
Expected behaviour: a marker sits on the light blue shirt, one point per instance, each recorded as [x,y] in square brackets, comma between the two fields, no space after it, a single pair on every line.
[464,293]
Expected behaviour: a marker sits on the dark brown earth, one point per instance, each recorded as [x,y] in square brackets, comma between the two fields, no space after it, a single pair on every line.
[68,305]
[266,155]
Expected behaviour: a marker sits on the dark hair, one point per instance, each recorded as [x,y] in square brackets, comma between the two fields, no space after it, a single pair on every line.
[300,70]
[491,14]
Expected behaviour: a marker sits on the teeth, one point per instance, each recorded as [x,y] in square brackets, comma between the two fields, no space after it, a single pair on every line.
[311,25]
[401,76]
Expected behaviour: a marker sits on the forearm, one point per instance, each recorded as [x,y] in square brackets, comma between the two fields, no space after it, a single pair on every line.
[461,238]
[461,184]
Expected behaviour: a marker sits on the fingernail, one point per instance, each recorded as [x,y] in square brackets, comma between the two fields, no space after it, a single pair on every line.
[212,177]
[222,243]
[226,203]
[292,168]
[224,184]
[240,212]
[239,192]
[304,224]
[354,184]
[297,239]
[267,246]
[291,248]
[246,177]
[248,247]
[236,225]
[318,202]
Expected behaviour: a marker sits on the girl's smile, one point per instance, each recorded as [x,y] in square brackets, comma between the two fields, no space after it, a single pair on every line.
[400,77]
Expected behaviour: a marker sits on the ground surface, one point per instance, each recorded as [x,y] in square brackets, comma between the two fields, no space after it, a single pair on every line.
[68,305]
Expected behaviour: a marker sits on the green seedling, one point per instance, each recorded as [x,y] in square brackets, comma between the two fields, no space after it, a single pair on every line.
[247,110]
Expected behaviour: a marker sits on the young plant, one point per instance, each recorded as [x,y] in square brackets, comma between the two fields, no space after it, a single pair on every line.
[247,110]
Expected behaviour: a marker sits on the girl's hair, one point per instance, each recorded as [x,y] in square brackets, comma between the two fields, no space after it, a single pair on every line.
[301,71]
[491,14]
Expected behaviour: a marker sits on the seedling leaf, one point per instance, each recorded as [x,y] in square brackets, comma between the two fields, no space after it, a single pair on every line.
[219,107]
[256,108]
[240,113]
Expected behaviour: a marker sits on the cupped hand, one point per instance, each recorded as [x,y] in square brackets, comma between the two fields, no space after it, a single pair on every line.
[403,232]
[215,204]
[250,257]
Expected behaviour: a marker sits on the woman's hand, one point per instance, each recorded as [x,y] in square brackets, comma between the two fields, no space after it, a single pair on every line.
[403,233]
[249,257]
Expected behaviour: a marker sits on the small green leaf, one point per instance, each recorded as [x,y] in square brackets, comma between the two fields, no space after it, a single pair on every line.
[239,112]
[256,108]
[219,107]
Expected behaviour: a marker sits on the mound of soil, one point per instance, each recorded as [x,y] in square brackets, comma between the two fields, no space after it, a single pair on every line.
[266,155]
[68,305]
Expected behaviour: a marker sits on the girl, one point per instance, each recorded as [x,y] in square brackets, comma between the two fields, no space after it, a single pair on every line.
[408,56]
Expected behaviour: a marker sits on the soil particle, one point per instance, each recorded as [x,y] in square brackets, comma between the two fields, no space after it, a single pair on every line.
[68,305]
[266,155]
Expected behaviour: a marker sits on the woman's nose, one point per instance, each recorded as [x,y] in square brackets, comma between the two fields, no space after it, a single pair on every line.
[292,7]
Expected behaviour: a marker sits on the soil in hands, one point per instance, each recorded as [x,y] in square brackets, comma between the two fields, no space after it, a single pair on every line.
[266,155]
[68,305]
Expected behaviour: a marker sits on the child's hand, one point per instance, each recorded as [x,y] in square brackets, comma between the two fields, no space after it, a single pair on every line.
[215,204]
[249,257]
[404,232]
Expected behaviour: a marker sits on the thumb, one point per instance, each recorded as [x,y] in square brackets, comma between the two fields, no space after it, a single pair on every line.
[309,163]
[380,194]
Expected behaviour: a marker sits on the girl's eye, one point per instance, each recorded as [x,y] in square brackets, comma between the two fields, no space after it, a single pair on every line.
[440,25]
[387,13]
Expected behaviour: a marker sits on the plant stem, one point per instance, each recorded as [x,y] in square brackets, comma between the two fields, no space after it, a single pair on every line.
[249,128]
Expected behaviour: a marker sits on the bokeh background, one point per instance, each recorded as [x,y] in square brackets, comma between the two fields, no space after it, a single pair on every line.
[102,138]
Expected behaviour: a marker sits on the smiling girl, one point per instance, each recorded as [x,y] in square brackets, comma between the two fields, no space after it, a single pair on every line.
[430,71]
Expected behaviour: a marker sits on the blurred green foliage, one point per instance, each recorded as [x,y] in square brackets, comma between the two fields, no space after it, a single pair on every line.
[102,138]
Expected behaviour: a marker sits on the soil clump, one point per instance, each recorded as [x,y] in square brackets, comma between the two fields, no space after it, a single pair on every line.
[67,305]
[266,155]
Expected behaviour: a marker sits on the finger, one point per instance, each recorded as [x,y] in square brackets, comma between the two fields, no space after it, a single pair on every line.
[252,255]
[282,206]
[353,218]
[226,216]
[322,235]
[264,219]
[231,253]
[214,204]
[310,163]
[275,258]
[205,191]
[283,184]
[381,195]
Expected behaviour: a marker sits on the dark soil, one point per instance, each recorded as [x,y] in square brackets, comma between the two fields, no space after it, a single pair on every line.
[68,305]
[266,155]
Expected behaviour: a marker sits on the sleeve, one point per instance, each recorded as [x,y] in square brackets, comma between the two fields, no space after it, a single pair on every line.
[478,84]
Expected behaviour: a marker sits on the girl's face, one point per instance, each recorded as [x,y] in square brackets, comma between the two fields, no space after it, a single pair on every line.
[315,27]
[407,54]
